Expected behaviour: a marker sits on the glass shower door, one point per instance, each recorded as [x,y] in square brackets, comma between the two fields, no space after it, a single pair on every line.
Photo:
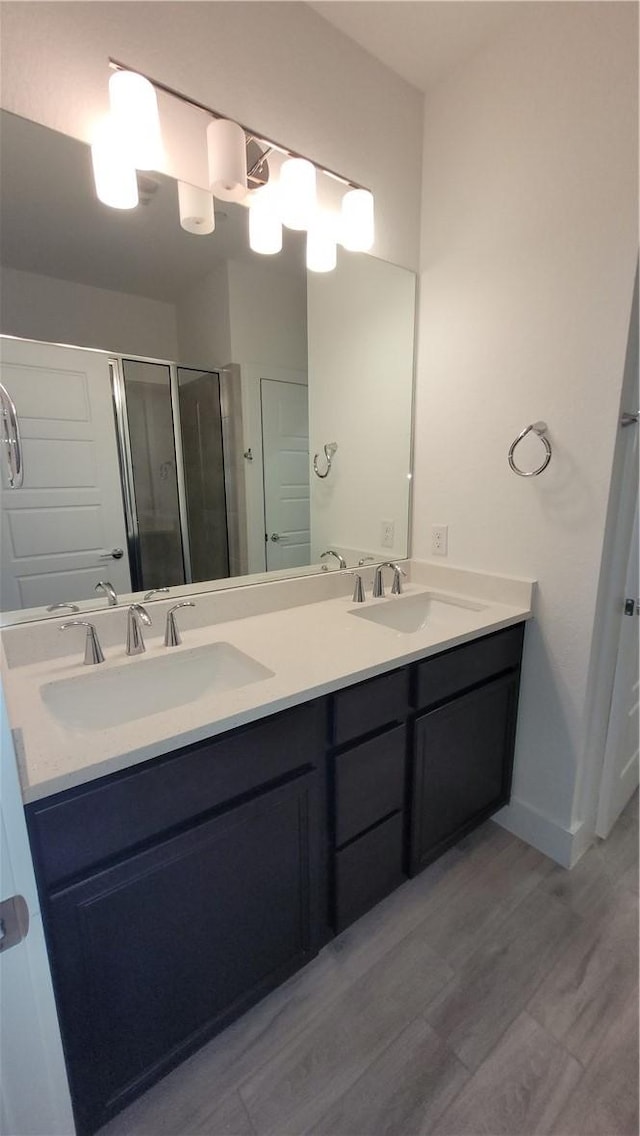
[204,472]
[160,556]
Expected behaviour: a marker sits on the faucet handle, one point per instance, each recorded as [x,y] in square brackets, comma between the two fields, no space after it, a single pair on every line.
[135,616]
[58,606]
[154,592]
[358,588]
[396,587]
[92,649]
[172,637]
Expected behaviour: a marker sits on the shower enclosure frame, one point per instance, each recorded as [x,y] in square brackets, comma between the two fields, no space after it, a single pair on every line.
[125,458]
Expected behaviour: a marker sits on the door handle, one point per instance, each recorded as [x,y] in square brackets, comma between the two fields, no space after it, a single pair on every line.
[115,554]
[275,537]
[14,921]
[11,439]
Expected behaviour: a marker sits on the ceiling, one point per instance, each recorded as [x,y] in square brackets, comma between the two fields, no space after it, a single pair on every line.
[421,40]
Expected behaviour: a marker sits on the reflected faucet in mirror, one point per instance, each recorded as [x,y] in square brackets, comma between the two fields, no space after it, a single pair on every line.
[107,587]
[331,552]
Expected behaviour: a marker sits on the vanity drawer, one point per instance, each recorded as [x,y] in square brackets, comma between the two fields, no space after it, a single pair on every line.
[369,706]
[369,783]
[367,870]
[76,830]
[461,667]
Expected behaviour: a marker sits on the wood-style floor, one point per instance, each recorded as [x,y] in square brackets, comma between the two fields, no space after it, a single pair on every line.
[495,993]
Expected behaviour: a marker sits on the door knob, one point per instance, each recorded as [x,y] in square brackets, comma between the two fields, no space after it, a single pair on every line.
[14,921]
[115,554]
[275,537]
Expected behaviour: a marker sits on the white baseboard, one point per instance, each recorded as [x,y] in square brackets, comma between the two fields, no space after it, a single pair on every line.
[564,845]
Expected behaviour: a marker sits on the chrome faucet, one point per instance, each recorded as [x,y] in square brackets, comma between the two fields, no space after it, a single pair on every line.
[109,591]
[58,606]
[172,637]
[330,552]
[154,592]
[378,585]
[92,649]
[135,617]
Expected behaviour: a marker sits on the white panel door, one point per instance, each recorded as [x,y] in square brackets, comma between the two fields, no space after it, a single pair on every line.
[285,456]
[60,527]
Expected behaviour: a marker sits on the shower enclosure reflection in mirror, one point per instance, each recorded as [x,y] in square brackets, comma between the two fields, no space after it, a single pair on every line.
[263,357]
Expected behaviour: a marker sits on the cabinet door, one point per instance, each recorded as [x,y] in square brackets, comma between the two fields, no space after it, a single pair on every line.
[156,954]
[463,756]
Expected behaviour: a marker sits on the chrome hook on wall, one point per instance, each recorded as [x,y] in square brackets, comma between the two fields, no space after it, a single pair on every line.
[329,451]
[539,428]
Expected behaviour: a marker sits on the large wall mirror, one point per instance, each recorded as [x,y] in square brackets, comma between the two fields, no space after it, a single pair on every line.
[190,413]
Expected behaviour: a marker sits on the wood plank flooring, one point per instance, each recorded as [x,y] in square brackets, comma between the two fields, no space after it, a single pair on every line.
[494,994]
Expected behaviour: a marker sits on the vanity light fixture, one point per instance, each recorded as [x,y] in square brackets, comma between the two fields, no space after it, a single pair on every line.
[298,202]
[265,226]
[357,220]
[134,110]
[131,140]
[113,173]
[321,244]
[227,152]
[196,209]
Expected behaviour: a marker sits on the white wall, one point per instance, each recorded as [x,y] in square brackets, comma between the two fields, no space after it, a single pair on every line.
[204,334]
[60,311]
[528,249]
[279,68]
[268,314]
[360,328]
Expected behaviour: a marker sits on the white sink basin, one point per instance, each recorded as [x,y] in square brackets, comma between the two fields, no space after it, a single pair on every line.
[108,696]
[411,613]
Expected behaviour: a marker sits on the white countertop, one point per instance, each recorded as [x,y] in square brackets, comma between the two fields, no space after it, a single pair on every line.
[312,649]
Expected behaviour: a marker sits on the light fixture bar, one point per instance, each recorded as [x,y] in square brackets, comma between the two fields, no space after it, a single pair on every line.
[118,65]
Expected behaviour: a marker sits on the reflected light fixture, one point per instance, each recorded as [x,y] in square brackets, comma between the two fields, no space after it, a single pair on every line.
[196,209]
[227,151]
[321,244]
[297,193]
[134,110]
[357,220]
[114,175]
[265,226]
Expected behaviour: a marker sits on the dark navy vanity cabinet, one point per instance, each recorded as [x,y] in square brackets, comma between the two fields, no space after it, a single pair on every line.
[177,893]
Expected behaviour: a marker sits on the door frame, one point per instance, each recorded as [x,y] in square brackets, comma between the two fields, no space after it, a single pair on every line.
[623,502]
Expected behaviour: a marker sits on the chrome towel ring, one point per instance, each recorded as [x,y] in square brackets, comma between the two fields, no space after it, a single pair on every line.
[539,428]
[329,450]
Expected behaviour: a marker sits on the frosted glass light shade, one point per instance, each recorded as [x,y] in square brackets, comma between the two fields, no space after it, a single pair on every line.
[265,226]
[227,151]
[196,209]
[297,193]
[134,109]
[358,228]
[321,244]
[113,172]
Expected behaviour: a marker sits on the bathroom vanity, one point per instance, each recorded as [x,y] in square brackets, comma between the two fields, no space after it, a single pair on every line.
[181,888]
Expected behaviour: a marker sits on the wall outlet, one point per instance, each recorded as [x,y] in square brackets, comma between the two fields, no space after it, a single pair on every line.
[386,534]
[439,540]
